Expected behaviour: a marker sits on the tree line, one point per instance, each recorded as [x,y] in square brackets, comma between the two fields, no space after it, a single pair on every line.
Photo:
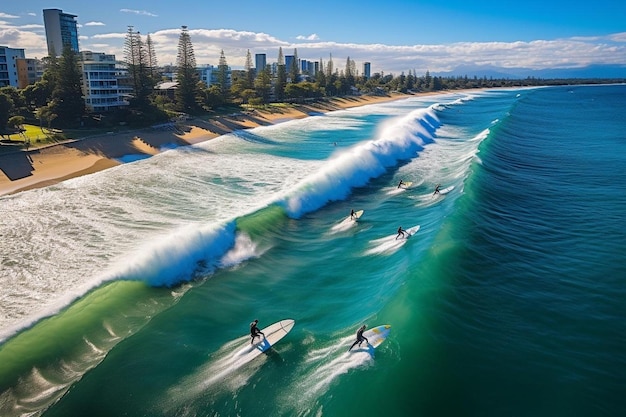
[56,100]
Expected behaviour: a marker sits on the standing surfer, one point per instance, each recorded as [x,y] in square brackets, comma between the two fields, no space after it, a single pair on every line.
[254,331]
[359,337]
[401,232]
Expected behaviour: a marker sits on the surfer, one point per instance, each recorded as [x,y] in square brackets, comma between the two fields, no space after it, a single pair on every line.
[401,232]
[359,337]
[400,183]
[437,189]
[254,331]
[352,214]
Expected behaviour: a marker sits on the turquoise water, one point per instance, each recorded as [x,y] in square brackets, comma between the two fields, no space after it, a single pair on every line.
[128,291]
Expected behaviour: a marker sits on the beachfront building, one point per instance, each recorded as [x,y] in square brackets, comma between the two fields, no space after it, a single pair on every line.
[61,31]
[209,75]
[8,65]
[100,82]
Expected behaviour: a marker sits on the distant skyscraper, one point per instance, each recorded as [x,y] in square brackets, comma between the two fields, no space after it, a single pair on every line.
[289,61]
[367,68]
[61,31]
[260,62]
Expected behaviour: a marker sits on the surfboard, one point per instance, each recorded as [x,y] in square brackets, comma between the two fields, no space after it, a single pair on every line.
[375,336]
[411,231]
[273,333]
[390,243]
[446,190]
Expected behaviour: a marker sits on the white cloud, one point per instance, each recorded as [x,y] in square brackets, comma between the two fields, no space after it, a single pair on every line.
[8,16]
[31,14]
[139,12]
[618,37]
[31,26]
[94,24]
[34,44]
[109,36]
[312,37]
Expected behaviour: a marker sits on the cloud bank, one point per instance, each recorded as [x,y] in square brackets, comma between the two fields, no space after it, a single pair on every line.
[574,52]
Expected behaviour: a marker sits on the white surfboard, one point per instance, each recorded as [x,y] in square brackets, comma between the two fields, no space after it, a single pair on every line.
[410,232]
[390,243]
[347,222]
[273,333]
[445,190]
[375,336]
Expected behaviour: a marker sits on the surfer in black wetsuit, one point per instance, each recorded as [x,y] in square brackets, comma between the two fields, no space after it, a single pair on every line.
[401,232]
[352,214]
[359,337]
[400,183]
[437,189]
[254,331]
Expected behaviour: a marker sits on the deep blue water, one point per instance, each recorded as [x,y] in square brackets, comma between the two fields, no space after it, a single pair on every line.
[130,289]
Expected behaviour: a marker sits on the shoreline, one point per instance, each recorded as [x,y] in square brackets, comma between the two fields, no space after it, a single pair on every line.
[49,165]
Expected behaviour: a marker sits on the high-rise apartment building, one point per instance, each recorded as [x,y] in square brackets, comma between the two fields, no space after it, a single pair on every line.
[61,31]
[367,69]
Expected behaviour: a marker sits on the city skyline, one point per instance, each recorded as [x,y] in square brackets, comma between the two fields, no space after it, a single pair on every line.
[397,37]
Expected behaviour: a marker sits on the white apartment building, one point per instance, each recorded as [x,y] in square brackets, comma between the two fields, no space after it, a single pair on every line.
[100,82]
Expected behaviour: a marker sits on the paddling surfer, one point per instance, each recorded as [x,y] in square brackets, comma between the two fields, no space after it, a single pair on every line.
[254,331]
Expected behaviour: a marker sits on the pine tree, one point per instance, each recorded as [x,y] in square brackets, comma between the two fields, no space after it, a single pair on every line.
[139,71]
[293,70]
[186,75]
[67,97]
[263,84]
[222,76]
[320,76]
[350,72]
[249,68]
[329,67]
[152,59]
[281,76]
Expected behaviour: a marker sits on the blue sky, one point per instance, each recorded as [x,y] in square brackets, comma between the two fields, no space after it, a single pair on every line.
[395,35]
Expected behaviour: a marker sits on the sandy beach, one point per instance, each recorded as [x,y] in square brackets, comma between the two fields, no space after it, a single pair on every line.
[44,166]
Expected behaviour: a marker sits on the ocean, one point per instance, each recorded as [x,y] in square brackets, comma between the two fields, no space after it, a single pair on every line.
[127,292]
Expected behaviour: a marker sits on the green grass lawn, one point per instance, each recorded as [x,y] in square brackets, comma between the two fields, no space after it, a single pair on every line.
[12,143]
[33,132]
